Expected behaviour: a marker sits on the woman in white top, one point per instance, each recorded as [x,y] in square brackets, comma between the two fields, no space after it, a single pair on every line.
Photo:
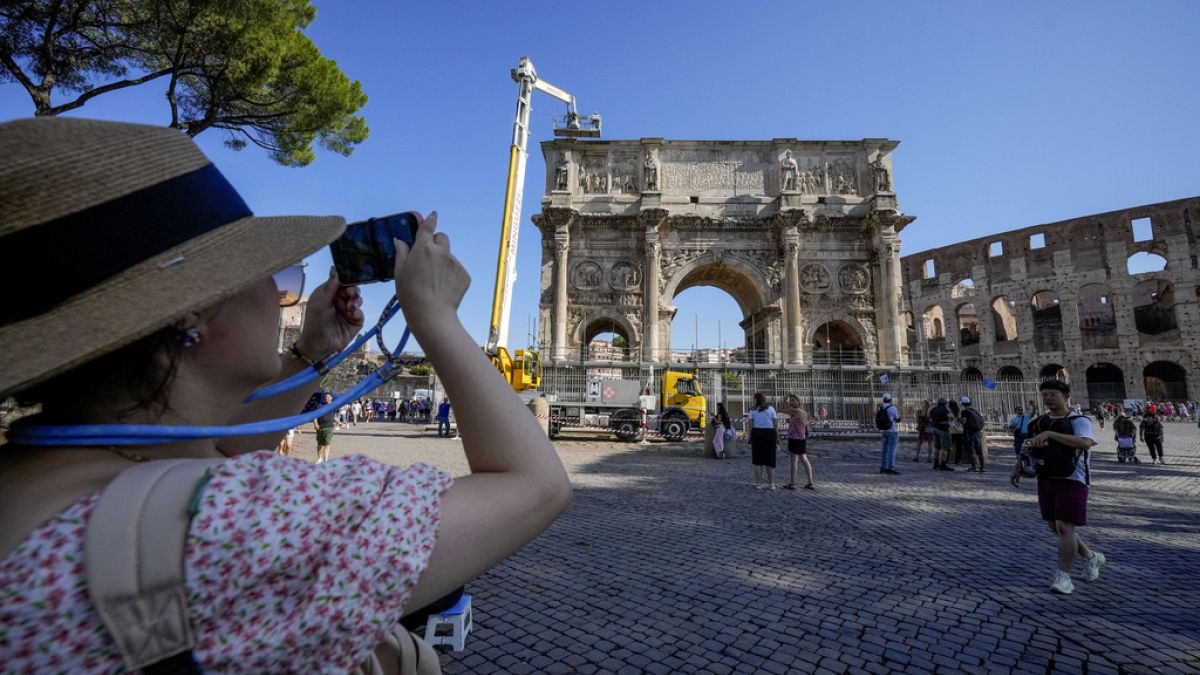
[763,440]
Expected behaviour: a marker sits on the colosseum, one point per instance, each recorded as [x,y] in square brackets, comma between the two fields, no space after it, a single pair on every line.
[1106,301]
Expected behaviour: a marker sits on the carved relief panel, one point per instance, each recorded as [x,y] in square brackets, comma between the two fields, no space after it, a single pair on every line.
[625,276]
[593,175]
[586,276]
[843,175]
[624,174]
[814,278]
[854,279]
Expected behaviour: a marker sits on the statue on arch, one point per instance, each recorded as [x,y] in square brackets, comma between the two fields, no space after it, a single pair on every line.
[650,172]
[791,172]
[561,171]
[879,174]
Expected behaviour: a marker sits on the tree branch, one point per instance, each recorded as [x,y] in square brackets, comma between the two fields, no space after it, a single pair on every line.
[19,74]
[112,86]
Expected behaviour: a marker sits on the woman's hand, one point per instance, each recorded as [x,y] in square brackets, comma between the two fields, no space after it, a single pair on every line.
[430,281]
[331,319]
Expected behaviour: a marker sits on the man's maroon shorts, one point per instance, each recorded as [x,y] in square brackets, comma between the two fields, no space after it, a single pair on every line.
[1062,499]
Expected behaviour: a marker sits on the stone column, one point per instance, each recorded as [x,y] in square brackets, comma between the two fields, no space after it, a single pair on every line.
[650,321]
[791,282]
[1068,308]
[891,331]
[562,244]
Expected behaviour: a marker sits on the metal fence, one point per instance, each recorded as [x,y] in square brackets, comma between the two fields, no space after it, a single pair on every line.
[837,397]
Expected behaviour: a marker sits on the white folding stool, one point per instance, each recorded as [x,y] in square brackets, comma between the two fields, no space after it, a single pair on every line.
[458,618]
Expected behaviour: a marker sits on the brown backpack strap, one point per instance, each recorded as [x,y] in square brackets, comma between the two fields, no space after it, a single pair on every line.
[134,559]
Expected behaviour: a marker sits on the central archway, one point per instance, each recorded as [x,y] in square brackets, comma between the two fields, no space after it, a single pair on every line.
[742,282]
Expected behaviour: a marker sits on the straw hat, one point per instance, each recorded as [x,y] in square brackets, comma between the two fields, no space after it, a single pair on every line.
[111,231]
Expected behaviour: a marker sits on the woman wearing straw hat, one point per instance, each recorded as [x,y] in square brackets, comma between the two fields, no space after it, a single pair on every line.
[157,298]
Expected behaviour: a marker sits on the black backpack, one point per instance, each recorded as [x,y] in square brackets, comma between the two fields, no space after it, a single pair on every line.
[1055,460]
[883,421]
[972,421]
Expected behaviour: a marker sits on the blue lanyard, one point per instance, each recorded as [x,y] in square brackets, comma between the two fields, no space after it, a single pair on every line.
[153,434]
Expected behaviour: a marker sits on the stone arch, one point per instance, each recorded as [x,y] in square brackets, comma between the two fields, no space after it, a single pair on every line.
[837,340]
[1097,317]
[1105,382]
[1165,381]
[1144,262]
[934,322]
[968,324]
[1010,374]
[602,321]
[1004,318]
[749,287]
[1047,321]
[963,288]
[1054,371]
[971,374]
[1154,308]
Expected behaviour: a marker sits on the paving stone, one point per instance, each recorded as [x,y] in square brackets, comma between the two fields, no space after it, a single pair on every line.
[930,570]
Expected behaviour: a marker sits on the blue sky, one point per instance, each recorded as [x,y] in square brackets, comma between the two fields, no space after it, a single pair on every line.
[1009,114]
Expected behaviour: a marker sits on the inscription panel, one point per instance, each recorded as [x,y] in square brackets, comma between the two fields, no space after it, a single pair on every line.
[695,171]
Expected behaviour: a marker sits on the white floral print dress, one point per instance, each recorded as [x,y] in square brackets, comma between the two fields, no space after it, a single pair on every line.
[290,567]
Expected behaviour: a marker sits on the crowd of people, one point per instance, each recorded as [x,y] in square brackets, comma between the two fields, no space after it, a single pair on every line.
[414,410]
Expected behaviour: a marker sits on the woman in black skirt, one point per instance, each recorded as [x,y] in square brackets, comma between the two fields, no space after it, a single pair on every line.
[762,442]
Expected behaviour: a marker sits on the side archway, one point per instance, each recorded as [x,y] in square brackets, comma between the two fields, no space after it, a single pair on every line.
[1054,371]
[838,341]
[1105,382]
[1047,322]
[1010,374]
[1165,381]
[600,323]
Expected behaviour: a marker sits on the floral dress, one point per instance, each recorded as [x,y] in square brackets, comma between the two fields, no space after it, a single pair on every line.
[289,566]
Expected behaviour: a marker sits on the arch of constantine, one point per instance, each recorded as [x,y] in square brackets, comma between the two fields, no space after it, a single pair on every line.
[802,234]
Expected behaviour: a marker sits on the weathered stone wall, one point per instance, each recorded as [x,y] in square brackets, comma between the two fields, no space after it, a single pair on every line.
[1071,302]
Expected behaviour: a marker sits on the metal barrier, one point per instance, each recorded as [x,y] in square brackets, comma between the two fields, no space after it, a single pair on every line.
[840,398]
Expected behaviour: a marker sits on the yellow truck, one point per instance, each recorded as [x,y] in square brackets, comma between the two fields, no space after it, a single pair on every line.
[678,407]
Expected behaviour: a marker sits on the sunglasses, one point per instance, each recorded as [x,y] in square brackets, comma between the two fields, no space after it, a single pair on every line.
[290,282]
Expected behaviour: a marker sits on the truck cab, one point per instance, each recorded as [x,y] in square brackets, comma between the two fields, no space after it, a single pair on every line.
[682,391]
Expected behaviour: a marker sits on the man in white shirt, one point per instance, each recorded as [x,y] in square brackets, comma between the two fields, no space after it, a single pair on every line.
[1061,442]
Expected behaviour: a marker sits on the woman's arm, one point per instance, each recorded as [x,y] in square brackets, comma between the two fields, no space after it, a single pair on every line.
[517,485]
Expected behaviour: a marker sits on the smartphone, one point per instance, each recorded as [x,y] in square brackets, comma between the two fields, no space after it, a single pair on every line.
[366,251]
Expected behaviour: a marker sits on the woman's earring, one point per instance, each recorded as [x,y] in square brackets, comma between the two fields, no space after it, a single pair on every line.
[189,337]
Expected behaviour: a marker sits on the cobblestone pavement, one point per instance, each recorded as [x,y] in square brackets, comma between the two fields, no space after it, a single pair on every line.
[668,561]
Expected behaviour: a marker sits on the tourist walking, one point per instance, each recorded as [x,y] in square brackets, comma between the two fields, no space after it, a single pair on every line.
[797,442]
[886,417]
[443,418]
[939,419]
[324,426]
[1019,426]
[763,442]
[956,431]
[973,440]
[356,411]
[1061,443]
[722,430]
[1125,434]
[1151,433]
[924,432]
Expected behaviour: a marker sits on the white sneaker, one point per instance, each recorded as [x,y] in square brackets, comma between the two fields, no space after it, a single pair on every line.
[1062,583]
[1092,565]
